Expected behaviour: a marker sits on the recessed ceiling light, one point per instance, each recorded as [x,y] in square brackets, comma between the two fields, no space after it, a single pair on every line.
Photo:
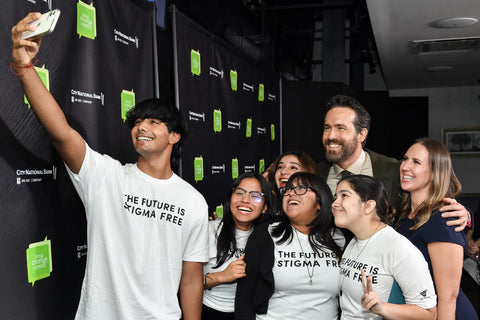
[439,68]
[454,22]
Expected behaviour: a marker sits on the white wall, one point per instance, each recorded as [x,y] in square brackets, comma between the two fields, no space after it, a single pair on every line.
[450,108]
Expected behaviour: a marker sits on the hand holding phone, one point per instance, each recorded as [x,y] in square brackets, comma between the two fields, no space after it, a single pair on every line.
[45,25]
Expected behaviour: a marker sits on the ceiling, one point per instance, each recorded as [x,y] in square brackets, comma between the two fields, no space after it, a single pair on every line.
[456,62]
[381,34]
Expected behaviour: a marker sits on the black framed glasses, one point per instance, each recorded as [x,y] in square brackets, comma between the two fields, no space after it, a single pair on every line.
[255,196]
[299,190]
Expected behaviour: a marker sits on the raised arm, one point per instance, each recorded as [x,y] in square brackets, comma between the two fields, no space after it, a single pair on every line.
[68,142]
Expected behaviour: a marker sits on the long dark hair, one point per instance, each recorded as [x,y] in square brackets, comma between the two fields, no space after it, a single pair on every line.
[307,163]
[226,243]
[322,227]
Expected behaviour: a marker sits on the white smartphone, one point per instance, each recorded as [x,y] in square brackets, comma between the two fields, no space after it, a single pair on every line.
[45,25]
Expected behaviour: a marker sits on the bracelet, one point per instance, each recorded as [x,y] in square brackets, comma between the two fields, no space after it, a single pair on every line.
[31,65]
[205,285]
[469,220]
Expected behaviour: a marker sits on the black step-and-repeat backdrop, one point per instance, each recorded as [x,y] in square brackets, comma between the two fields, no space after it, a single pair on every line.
[97,63]
[232,106]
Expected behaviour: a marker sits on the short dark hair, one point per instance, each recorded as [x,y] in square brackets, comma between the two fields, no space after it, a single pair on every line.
[369,188]
[362,117]
[168,114]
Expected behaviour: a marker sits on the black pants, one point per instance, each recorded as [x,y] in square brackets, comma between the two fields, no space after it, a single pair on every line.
[212,314]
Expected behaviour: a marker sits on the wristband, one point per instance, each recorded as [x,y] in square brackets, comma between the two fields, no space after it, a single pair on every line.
[31,65]
[205,285]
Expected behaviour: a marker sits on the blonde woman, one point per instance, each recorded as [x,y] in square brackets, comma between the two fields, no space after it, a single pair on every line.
[426,178]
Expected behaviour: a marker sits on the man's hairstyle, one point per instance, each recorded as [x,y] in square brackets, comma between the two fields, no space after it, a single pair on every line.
[362,117]
[168,114]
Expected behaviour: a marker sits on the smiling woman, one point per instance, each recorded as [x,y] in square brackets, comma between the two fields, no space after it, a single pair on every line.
[391,270]
[284,166]
[292,261]
[248,202]
[427,177]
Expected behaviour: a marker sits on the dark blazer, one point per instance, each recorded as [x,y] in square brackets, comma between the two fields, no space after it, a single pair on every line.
[254,290]
[385,169]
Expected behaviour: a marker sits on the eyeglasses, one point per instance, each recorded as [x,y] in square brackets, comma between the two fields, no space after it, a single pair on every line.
[255,196]
[299,190]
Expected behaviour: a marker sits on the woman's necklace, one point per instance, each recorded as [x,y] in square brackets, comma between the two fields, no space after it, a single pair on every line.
[361,251]
[310,275]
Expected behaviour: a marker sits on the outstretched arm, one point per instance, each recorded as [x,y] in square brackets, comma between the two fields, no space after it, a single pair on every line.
[68,142]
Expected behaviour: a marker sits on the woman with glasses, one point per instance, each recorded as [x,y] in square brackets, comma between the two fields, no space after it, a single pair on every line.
[382,274]
[248,201]
[293,259]
[283,167]
[427,177]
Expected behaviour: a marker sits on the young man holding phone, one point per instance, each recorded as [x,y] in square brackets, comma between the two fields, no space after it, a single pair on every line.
[135,263]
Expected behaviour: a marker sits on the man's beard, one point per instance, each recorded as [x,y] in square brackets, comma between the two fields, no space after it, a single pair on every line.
[346,151]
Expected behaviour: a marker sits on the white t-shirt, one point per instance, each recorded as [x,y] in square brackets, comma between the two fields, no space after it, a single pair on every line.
[386,257]
[139,230]
[294,297]
[222,297]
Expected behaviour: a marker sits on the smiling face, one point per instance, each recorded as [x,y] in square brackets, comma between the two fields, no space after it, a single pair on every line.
[341,141]
[415,172]
[300,209]
[347,208]
[151,136]
[245,210]
[287,166]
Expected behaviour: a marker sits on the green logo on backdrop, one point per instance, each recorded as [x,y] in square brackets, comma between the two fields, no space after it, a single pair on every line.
[235,168]
[195,62]
[86,20]
[233,80]
[248,133]
[128,102]
[217,120]
[261,92]
[44,76]
[219,211]
[198,168]
[39,260]
[272,132]
[261,166]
